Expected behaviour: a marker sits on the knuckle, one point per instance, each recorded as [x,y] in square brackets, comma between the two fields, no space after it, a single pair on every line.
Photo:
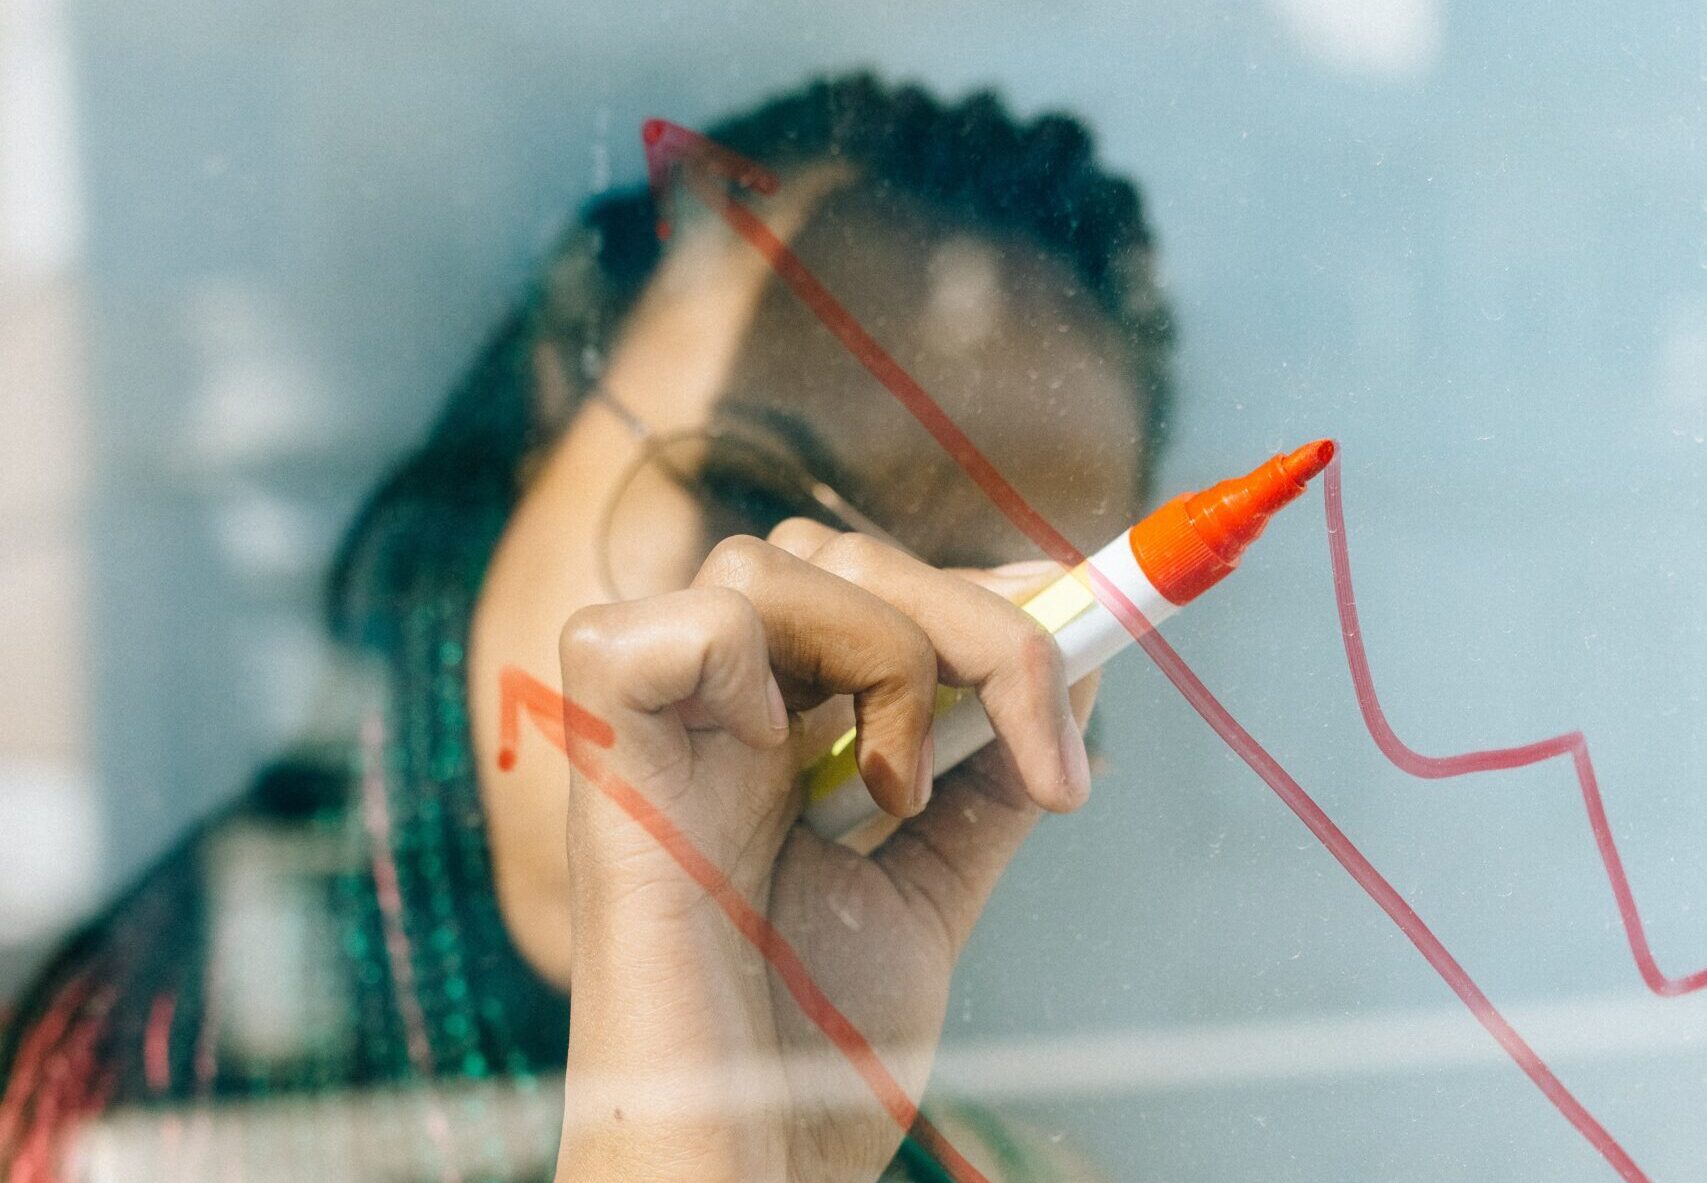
[852,556]
[918,658]
[795,528]
[735,562]
[727,614]
[1038,654]
[901,665]
[728,639]
[587,632]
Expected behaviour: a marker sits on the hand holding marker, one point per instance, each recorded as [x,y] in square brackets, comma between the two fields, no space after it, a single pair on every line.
[1163,563]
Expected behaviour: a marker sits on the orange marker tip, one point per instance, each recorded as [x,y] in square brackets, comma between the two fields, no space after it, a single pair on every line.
[1192,542]
[1309,460]
[506,759]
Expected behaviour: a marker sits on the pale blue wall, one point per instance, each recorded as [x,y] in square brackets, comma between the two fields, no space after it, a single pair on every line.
[1477,258]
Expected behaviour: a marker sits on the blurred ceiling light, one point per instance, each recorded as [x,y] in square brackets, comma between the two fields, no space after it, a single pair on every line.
[965,300]
[256,400]
[1387,39]
[1683,371]
[268,537]
[40,205]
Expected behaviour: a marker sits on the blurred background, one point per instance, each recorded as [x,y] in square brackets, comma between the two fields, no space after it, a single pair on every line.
[245,248]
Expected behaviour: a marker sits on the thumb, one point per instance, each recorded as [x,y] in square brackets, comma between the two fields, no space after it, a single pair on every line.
[949,858]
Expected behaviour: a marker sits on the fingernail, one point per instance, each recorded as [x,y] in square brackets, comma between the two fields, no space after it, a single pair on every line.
[1075,763]
[778,708]
[1028,568]
[925,777]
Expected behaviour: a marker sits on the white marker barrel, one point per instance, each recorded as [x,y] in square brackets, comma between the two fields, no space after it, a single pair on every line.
[1088,634]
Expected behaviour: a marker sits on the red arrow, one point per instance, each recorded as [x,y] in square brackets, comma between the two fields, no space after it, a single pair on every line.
[670,145]
[671,149]
[571,728]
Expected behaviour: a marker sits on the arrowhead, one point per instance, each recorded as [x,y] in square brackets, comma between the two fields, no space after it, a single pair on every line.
[670,145]
[560,721]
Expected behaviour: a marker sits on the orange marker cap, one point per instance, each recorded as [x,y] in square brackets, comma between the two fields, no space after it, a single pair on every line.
[1194,541]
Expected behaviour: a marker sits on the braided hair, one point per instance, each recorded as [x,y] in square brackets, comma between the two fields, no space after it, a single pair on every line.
[436,990]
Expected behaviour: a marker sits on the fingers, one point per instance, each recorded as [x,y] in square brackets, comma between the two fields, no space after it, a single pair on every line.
[703,652]
[800,536]
[829,636]
[837,614]
[949,859]
[1015,582]
[983,641]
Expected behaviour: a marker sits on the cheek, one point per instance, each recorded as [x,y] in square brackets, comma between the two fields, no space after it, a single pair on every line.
[1097,495]
[651,539]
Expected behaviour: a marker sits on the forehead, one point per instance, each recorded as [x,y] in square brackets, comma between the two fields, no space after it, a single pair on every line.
[1001,335]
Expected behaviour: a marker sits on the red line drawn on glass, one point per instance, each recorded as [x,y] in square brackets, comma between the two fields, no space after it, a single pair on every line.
[1407,759]
[673,151]
[518,691]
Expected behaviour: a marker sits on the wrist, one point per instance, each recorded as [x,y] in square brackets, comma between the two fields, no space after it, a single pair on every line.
[636,1113]
[673,1069]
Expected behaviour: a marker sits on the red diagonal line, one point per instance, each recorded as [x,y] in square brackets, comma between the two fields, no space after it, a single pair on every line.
[1014,506]
[748,920]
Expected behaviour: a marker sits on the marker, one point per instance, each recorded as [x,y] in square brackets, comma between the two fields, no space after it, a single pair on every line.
[1163,563]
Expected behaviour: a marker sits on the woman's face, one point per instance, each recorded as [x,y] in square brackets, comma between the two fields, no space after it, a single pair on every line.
[999,333]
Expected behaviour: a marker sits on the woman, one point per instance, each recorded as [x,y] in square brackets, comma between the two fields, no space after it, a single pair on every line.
[564,515]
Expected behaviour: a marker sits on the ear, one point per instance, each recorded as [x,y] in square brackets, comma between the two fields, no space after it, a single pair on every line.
[568,328]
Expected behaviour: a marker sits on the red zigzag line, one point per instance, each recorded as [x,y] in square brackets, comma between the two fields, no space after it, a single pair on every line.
[1408,759]
[668,145]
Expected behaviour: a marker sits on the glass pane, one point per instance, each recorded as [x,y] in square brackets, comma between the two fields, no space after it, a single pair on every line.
[304,502]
